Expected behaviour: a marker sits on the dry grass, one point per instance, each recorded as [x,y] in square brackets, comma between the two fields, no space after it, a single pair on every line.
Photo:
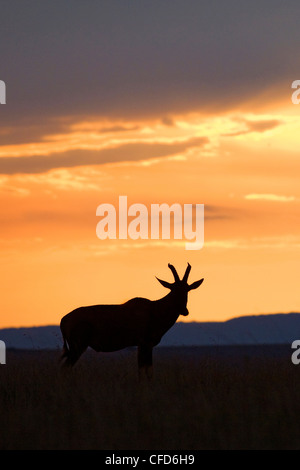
[197,401]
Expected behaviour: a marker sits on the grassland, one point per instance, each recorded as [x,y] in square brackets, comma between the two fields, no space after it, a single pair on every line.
[199,399]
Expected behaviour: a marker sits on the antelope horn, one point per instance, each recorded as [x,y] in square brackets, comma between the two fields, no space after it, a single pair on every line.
[176,277]
[187,272]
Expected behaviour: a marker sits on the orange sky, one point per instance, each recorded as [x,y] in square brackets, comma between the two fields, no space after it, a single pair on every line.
[163,102]
[242,166]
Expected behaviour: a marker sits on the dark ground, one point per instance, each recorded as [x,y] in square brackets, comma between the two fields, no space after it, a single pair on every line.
[225,397]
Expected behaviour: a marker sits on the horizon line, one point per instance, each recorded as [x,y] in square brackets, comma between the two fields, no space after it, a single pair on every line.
[188,322]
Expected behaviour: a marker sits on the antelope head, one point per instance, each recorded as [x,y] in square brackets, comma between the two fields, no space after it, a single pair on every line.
[180,289]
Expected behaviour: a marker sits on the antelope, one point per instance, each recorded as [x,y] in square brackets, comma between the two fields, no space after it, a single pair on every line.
[138,322]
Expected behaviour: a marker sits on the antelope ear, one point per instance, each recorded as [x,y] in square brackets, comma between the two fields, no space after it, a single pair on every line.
[165,283]
[196,284]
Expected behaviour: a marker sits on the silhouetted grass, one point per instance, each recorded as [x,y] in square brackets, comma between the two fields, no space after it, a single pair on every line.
[198,400]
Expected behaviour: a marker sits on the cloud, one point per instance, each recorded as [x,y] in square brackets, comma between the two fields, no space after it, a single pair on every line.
[212,212]
[270,197]
[143,59]
[31,130]
[168,121]
[73,158]
[253,126]
[14,191]
[272,243]
[262,126]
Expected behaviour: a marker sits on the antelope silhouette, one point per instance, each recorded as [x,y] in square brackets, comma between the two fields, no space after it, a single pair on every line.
[138,322]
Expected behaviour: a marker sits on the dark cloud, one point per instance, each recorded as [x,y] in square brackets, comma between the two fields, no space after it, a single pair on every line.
[254,126]
[30,130]
[140,58]
[167,121]
[116,129]
[262,126]
[218,212]
[72,158]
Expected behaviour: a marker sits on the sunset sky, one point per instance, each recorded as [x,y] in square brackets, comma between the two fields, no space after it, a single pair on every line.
[183,102]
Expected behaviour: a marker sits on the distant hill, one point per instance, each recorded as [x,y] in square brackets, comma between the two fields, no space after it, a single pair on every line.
[257,329]
[248,330]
